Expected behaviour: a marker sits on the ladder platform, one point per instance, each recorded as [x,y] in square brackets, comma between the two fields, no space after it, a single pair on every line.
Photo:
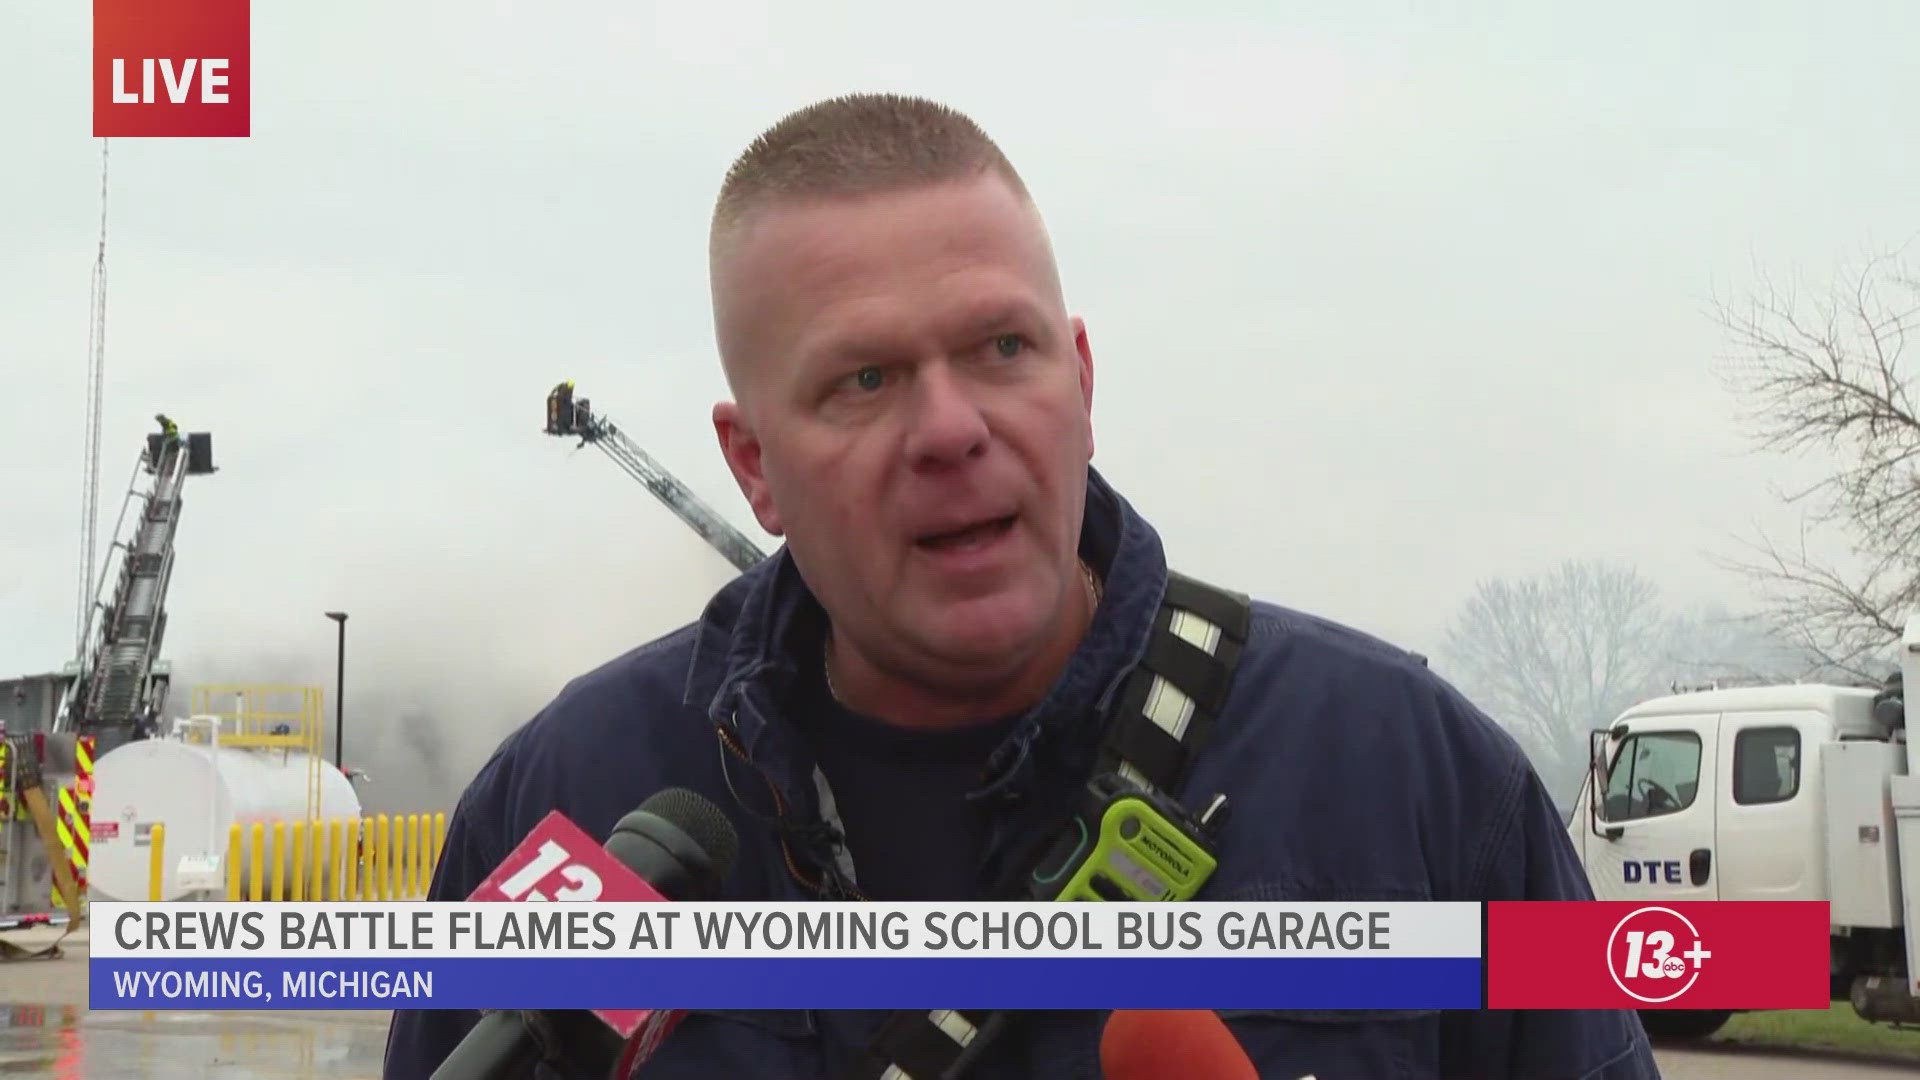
[199,446]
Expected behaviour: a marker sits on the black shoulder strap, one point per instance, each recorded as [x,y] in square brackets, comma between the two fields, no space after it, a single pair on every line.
[1169,704]
[1162,717]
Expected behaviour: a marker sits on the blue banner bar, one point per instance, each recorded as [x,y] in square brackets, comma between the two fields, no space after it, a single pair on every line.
[795,983]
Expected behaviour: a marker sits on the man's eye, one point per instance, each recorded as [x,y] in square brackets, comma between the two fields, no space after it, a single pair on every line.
[1008,344]
[869,378]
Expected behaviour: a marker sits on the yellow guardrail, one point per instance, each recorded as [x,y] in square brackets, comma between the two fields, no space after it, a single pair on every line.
[351,859]
[266,716]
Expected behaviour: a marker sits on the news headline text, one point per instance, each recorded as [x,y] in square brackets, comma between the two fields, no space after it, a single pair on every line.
[772,930]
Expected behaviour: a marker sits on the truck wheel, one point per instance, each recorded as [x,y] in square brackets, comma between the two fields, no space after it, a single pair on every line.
[1682,1024]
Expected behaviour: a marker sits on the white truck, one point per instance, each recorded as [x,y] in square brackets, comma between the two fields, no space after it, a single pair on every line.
[1787,792]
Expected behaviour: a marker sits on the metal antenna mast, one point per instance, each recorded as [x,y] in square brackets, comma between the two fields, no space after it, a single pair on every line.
[96,371]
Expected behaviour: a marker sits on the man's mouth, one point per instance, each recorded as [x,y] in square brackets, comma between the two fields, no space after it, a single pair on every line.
[967,536]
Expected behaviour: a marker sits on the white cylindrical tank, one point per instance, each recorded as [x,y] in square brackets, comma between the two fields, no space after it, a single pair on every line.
[198,792]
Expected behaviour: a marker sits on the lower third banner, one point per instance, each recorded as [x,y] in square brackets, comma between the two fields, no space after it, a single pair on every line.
[1751,954]
[590,955]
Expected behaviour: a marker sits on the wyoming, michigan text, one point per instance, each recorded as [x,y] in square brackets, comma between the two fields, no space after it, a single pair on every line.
[252,985]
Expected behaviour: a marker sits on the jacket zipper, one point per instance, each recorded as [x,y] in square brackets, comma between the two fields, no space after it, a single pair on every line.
[813,886]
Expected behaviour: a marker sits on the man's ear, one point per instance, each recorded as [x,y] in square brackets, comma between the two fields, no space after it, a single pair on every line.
[1081,346]
[741,448]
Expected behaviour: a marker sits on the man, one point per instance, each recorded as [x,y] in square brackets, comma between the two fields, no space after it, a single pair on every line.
[911,690]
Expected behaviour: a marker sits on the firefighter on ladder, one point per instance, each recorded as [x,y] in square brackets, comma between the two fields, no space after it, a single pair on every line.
[560,409]
[169,431]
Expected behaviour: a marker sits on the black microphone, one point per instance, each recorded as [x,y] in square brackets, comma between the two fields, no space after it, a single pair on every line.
[681,847]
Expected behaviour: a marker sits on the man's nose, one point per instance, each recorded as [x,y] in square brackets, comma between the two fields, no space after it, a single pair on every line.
[948,425]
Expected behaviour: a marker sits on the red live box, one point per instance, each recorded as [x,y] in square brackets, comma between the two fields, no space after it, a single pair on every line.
[171,68]
[1605,954]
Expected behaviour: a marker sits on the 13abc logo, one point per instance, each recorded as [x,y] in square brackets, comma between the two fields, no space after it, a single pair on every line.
[1655,954]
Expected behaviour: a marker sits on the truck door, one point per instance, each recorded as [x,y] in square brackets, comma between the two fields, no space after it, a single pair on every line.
[1771,834]
[1653,834]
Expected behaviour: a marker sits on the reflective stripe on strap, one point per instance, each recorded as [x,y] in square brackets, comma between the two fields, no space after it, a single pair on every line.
[1170,702]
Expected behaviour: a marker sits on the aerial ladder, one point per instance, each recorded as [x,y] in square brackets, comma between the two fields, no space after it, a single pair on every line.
[119,682]
[569,416]
[114,691]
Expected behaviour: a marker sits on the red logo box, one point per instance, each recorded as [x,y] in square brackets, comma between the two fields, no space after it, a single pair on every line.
[171,69]
[1743,954]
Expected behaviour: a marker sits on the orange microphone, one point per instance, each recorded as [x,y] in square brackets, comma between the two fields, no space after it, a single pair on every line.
[1171,1044]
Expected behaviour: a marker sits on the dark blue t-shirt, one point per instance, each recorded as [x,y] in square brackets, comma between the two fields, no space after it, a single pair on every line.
[901,796]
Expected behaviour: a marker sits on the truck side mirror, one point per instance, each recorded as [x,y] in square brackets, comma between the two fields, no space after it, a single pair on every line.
[1596,770]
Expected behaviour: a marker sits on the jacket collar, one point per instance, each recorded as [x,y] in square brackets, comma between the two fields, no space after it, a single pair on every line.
[760,629]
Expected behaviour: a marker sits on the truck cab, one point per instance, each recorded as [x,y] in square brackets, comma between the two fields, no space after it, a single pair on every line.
[1714,795]
[1785,792]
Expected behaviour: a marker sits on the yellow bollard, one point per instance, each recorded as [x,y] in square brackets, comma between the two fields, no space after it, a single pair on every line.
[233,862]
[399,872]
[279,856]
[355,853]
[404,828]
[297,860]
[157,863]
[369,859]
[322,859]
[316,837]
[334,880]
[370,889]
[439,844]
[383,888]
[259,858]
[413,856]
[397,859]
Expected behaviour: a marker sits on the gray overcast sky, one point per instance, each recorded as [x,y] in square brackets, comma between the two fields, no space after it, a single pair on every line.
[1385,298]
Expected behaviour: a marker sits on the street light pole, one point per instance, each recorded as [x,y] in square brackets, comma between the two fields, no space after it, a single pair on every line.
[340,693]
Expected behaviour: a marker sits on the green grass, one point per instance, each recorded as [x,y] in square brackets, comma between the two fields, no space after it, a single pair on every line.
[1838,1028]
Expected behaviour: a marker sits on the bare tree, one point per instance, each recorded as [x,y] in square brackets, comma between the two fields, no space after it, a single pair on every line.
[1553,656]
[1711,645]
[1829,376]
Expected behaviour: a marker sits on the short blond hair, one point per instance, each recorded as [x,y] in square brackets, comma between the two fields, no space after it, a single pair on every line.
[847,147]
[857,144]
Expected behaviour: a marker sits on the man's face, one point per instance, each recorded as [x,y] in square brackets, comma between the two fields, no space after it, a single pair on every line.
[914,418]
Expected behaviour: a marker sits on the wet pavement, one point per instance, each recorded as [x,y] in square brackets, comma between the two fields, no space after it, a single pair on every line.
[70,1043]
[47,1032]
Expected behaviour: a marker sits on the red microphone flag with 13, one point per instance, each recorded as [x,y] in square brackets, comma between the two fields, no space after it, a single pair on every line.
[559,861]
[1700,954]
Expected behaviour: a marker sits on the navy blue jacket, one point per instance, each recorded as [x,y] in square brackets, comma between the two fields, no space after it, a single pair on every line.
[1354,774]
